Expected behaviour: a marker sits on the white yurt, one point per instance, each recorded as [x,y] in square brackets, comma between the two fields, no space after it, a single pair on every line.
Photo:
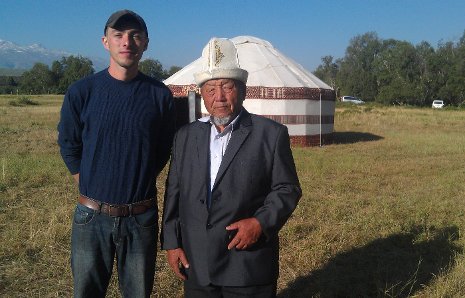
[277,88]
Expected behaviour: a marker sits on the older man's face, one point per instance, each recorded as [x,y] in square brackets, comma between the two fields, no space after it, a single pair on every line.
[222,99]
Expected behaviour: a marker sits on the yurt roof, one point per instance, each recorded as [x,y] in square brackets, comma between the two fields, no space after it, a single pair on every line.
[266,66]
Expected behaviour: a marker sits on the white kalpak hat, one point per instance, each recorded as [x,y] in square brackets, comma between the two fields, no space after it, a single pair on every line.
[220,61]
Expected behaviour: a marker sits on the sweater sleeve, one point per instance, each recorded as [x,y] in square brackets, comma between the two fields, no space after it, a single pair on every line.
[70,131]
[166,135]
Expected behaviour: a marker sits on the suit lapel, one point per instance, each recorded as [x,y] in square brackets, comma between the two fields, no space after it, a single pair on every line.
[238,137]
[202,144]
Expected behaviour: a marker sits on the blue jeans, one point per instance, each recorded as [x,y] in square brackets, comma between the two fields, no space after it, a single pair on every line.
[98,238]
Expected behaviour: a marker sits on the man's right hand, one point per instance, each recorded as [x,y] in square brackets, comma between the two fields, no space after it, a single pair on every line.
[177,258]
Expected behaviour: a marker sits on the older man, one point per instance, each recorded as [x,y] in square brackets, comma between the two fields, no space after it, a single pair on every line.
[232,185]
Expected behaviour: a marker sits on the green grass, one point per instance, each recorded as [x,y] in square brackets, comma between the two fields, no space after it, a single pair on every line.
[382,211]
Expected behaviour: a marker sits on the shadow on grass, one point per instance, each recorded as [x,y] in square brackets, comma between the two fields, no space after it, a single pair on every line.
[350,137]
[396,266]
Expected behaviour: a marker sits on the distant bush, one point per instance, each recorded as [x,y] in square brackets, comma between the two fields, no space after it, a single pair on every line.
[23,101]
[8,90]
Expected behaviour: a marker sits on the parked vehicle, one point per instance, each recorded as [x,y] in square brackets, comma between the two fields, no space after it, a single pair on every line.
[437,104]
[352,99]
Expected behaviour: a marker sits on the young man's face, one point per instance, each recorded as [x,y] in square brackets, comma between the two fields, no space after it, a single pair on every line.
[126,44]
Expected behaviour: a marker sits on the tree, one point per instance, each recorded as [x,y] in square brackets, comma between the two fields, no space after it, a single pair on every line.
[8,84]
[393,71]
[356,75]
[462,40]
[38,80]
[71,69]
[397,72]
[426,90]
[57,73]
[11,82]
[450,70]
[152,68]
[327,72]
[173,70]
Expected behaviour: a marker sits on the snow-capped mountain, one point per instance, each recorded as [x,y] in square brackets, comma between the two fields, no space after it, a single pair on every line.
[13,56]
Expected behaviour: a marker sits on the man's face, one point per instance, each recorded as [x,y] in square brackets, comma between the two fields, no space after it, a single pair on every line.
[126,44]
[222,98]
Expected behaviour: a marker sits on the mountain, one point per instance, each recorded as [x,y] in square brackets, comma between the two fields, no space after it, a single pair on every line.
[13,56]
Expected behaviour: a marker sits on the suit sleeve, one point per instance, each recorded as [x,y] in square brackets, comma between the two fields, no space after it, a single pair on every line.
[285,188]
[170,236]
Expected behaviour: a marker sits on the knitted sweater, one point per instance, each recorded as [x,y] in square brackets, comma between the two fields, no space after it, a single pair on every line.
[117,135]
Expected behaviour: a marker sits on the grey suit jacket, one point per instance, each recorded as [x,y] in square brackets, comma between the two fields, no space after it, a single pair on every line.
[257,178]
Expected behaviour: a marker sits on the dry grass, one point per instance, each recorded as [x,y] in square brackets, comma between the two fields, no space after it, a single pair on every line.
[382,213]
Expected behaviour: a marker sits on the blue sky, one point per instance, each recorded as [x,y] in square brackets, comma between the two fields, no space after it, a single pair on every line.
[302,30]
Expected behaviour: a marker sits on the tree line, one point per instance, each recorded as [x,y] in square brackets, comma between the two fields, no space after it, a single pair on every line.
[42,79]
[391,71]
[387,71]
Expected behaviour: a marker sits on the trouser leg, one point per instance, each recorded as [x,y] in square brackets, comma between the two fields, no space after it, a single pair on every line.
[262,291]
[92,252]
[193,290]
[136,254]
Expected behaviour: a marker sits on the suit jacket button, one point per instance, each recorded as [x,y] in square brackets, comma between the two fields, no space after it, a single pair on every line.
[209,226]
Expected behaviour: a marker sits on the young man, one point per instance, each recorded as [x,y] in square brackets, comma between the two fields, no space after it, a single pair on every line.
[232,185]
[115,136]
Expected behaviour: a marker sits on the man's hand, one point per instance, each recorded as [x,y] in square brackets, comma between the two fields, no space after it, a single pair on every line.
[176,259]
[248,232]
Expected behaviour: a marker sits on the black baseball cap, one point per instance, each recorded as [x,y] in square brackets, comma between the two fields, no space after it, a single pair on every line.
[126,14]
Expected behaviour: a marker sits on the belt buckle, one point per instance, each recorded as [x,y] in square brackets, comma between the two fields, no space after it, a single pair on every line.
[124,210]
[110,206]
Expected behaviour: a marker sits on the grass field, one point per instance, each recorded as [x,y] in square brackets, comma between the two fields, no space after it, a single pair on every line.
[382,214]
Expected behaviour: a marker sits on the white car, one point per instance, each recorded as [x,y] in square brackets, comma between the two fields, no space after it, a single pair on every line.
[438,104]
[352,99]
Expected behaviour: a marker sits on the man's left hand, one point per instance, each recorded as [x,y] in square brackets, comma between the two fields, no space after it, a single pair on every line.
[248,232]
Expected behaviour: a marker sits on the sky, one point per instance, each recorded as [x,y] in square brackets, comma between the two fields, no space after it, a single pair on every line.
[303,30]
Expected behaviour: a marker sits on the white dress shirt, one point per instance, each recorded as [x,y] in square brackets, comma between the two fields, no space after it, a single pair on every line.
[218,143]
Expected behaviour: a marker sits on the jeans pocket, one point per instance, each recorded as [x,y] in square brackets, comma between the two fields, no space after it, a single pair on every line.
[83,215]
[147,219]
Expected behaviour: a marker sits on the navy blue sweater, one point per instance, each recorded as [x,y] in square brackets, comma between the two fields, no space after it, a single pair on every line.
[117,135]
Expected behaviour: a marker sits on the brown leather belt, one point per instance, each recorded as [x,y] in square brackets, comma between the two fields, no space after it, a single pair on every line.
[118,210]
